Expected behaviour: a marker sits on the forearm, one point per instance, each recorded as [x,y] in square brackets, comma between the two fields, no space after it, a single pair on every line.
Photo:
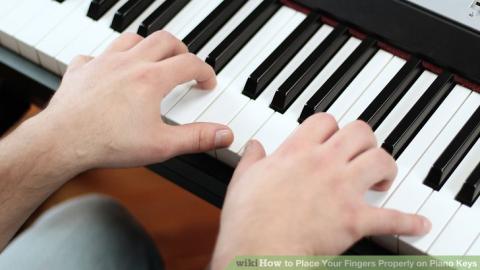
[32,166]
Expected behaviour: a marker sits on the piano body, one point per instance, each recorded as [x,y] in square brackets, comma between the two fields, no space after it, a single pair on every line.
[410,68]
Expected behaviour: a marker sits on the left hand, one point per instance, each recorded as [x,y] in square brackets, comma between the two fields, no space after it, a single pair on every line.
[106,112]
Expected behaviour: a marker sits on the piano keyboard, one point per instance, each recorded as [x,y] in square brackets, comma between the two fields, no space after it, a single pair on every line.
[277,66]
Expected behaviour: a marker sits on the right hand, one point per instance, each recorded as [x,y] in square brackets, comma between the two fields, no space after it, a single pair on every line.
[307,198]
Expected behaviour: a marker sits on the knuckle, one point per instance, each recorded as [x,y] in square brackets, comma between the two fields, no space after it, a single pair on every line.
[381,157]
[201,139]
[169,40]
[192,58]
[80,58]
[323,119]
[362,128]
[78,61]
[164,36]
[131,37]
[194,62]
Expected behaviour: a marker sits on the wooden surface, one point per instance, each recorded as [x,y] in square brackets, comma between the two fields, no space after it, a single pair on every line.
[183,226]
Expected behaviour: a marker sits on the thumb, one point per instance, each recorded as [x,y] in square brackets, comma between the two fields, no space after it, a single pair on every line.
[252,153]
[198,137]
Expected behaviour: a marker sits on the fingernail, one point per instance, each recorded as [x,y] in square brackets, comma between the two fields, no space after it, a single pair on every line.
[427,225]
[221,137]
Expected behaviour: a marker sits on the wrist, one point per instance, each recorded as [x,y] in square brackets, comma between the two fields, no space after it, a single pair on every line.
[42,147]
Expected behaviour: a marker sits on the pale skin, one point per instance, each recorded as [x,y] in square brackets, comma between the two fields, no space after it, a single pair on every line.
[309,193]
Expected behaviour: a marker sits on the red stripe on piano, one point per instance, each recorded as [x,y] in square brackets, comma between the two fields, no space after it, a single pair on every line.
[357,34]
[433,68]
[468,84]
[393,50]
[295,6]
[387,47]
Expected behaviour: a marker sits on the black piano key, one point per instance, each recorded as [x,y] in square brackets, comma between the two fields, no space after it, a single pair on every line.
[269,69]
[454,153]
[384,103]
[234,42]
[98,8]
[340,79]
[199,36]
[418,115]
[470,190]
[126,14]
[161,16]
[306,72]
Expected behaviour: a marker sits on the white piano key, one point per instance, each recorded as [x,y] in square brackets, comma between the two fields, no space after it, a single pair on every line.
[439,209]
[62,35]
[441,206]
[200,14]
[11,7]
[404,105]
[274,132]
[280,126]
[474,250]
[391,69]
[13,22]
[8,7]
[100,49]
[171,99]
[360,84]
[231,101]
[83,44]
[412,193]
[197,100]
[86,41]
[459,234]
[421,142]
[257,112]
[32,33]
[80,10]
[244,126]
